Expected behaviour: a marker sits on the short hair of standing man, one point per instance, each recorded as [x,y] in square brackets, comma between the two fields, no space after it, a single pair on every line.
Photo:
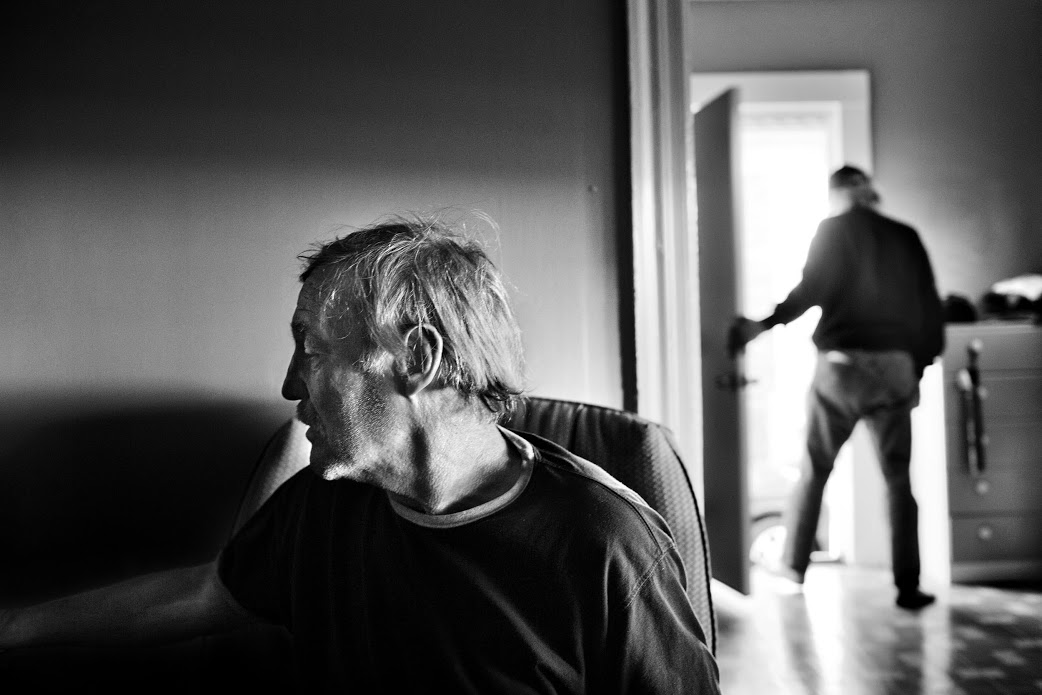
[855,183]
[423,272]
[848,176]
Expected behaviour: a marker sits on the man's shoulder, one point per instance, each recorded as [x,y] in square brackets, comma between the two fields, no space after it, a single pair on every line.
[874,217]
[579,471]
[593,494]
[851,226]
[896,225]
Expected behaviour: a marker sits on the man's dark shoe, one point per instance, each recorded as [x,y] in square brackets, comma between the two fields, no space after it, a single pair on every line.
[914,600]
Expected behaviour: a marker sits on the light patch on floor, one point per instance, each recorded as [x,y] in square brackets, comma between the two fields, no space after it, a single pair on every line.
[842,635]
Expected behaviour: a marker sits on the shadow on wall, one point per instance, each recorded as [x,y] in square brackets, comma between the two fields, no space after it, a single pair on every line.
[98,488]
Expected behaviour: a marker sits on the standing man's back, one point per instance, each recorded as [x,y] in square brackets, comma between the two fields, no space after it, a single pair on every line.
[881,325]
[872,279]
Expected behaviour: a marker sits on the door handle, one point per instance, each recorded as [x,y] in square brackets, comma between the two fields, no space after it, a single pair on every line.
[732,381]
[973,395]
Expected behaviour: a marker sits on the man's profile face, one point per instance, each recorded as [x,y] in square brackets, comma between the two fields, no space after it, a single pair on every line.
[352,415]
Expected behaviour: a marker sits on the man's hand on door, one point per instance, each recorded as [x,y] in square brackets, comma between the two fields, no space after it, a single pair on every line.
[742,331]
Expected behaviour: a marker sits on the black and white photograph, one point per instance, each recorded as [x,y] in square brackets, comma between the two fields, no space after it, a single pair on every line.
[672,347]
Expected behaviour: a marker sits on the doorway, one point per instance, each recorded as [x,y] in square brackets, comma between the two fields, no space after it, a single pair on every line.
[791,130]
[787,150]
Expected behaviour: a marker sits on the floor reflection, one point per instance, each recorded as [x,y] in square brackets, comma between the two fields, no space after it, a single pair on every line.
[842,634]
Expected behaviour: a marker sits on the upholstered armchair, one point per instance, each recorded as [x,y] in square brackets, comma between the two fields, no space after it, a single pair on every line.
[643,456]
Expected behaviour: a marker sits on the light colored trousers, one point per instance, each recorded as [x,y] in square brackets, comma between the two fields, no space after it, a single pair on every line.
[880,388]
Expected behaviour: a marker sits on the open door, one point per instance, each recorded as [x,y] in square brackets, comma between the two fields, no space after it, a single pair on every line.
[723,381]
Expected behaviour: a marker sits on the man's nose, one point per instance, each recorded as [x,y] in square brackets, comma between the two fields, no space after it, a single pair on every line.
[293,386]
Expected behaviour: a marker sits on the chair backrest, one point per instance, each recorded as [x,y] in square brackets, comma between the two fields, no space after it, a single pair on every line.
[639,453]
[286,452]
[643,456]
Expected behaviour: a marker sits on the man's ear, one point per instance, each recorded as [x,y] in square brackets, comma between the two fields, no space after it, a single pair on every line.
[424,346]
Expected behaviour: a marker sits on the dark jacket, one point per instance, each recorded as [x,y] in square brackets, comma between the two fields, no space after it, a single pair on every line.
[872,279]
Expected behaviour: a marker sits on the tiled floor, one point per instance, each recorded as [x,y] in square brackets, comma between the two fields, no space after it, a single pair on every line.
[842,635]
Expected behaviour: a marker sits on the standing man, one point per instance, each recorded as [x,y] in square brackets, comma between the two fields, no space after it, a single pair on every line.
[881,325]
[425,548]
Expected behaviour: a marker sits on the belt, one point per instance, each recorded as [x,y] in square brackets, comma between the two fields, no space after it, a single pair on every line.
[837,357]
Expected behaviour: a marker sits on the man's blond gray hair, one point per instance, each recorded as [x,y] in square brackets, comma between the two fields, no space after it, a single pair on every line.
[422,272]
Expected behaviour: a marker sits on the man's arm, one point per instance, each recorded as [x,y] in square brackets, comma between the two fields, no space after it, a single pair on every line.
[741,332]
[932,340]
[822,273]
[819,278]
[657,646]
[151,609]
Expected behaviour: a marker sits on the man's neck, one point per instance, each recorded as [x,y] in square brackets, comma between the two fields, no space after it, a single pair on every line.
[459,462]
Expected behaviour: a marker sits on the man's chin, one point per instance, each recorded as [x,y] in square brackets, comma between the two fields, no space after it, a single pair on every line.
[326,469]
[320,468]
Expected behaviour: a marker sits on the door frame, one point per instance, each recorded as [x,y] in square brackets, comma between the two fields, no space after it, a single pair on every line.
[717,173]
[665,277]
[856,488]
[667,324]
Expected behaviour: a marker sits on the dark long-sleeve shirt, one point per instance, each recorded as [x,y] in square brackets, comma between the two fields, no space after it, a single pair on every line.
[569,583]
[872,279]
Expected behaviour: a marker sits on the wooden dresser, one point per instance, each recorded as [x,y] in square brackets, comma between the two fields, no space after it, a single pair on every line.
[981,502]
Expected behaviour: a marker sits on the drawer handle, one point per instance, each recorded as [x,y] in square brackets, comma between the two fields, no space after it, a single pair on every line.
[973,395]
[985,532]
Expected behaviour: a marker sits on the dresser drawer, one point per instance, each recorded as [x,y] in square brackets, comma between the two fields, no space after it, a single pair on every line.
[1017,445]
[996,538]
[1003,346]
[1010,489]
[1009,397]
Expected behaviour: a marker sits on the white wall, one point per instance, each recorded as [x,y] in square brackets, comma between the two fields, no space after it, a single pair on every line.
[160,168]
[955,102]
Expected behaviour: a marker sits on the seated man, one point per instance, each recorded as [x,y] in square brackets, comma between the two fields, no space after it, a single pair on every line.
[424,548]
